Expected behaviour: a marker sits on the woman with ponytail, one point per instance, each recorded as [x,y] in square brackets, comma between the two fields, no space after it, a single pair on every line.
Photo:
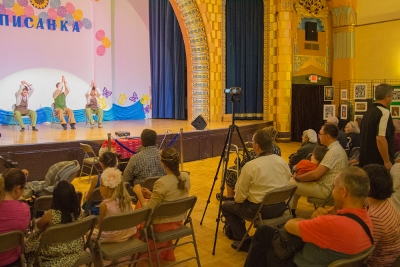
[15,215]
[174,185]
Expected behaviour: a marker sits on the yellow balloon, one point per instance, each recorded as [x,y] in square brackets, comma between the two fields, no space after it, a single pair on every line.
[18,10]
[78,14]
[122,99]
[106,42]
[102,102]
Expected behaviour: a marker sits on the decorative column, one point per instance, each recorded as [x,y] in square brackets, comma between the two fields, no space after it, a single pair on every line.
[280,71]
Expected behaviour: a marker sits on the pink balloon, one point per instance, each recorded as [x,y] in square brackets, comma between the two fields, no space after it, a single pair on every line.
[29,11]
[2,9]
[23,3]
[101,50]
[61,11]
[52,13]
[100,34]
[70,8]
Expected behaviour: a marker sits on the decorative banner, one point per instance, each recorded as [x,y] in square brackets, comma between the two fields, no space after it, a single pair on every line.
[40,4]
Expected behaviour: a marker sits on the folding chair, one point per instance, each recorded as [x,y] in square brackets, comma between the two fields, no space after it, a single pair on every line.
[149,182]
[95,197]
[13,240]
[57,234]
[14,120]
[94,116]
[42,204]
[54,118]
[321,202]
[353,262]
[273,197]
[89,161]
[130,247]
[171,209]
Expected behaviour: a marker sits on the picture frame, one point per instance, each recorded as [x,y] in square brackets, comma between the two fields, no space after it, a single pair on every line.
[360,91]
[329,111]
[343,94]
[395,111]
[329,93]
[343,112]
[358,116]
[396,95]
[373,90]
[360,106]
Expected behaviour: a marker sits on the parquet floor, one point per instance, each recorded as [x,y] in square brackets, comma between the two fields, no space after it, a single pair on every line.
[202,173]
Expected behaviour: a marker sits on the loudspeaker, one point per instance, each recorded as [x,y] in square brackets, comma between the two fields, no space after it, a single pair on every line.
[199,123]
[311,31]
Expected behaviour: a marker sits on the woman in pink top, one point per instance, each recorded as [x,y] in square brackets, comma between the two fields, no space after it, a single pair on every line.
[15,215]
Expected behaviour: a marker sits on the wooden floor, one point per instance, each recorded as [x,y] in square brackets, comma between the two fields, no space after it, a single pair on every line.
[202,173]
[12,136]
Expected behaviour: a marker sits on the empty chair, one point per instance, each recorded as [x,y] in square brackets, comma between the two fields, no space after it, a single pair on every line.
[13,240]
[171,209]
[14,120]
[132,246]
[273,197]
[353,262]
[63,233]
[89,161]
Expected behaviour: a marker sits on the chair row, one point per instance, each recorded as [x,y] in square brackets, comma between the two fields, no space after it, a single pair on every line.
[133,247]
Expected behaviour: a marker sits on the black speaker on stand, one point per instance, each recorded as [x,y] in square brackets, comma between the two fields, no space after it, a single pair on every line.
[311,31]
[199,123]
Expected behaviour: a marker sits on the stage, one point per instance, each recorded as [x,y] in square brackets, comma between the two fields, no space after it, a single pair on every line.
[39,150]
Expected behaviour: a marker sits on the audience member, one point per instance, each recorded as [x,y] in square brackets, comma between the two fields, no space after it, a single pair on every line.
[259,176]
[305,165]
[60,106]
[342,136]
[395,172]
[15,215]
[64,209]
[21,106]
[385,217]
[92,105]
[353,134]
[146,163]
[107,160]
[330,235]
[174,185]
[309,142]
[377,130]
[231,174]
[396,135]
[116,200]
[318,183]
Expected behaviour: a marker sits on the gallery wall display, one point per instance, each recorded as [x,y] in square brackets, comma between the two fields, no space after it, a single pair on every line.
[343,112]
[343,94]
[329,92]
[395,111]
[360,91]
[329,111]
[361,106]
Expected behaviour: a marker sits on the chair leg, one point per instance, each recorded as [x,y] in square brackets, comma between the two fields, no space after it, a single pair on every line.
[245,236]
[80,175]
[195,246]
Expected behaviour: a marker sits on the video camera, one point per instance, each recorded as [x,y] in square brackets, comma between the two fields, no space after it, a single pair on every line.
[237,91]
[8,163]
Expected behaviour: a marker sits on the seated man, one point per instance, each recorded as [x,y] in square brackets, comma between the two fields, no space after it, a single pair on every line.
[259,176]
[147,163]
[342,136]
[60,105]
[21,106]
[318,183]
[330,235]
[92,105]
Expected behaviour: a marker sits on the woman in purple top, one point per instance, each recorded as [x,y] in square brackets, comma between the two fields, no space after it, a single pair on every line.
[15,215]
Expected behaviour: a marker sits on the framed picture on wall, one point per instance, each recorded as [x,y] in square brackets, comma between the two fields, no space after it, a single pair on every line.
[343,94]
[361,106]
[357,116]
[373,90]
[343,112]
[360,91]
[395,111]
[329,93]
[396,95]
[329,111]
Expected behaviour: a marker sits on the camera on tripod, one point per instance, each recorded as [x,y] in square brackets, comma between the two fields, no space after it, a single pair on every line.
[237,91]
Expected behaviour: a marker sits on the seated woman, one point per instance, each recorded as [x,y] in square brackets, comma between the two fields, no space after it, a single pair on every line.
[64,209]
[107,160]
[15,215]
[395,172]
[116,200]
[353,133]
[173,186]
[384,216]
[309,142]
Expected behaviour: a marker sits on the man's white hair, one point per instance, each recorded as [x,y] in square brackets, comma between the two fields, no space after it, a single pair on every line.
[333,120]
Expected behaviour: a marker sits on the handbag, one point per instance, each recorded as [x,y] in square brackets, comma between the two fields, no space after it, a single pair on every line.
[285,244]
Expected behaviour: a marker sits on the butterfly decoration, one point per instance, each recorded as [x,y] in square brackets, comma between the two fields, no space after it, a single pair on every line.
[146,109]
[106,93]
[134,97]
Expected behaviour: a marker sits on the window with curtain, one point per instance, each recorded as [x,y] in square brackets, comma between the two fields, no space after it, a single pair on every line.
[245,56]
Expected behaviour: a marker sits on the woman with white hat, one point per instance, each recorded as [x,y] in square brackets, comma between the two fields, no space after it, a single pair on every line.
[309,142]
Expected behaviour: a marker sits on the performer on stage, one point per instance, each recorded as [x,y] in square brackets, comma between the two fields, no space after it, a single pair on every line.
[92,105]
[60,105]
[21,107]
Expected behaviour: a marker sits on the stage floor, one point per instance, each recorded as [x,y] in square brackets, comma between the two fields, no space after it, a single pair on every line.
[12,136]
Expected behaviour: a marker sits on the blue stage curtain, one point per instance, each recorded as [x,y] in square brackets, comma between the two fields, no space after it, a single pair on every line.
[168,62]
[245,56]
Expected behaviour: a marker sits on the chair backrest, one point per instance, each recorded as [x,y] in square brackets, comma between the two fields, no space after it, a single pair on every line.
[354,151]
[279,194]
[42,203]
[12,239]
[124,220]
[174,208]
[80,196]
[13,107]
[88,150]
[353,262]
[149,182]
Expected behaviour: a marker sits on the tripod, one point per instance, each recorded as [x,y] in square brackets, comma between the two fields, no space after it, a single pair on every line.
[224,158]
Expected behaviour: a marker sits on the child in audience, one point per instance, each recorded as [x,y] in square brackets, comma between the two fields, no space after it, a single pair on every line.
[107,160]
[173,186]
[64,209]
[15,215]
[305,165]
[116,200]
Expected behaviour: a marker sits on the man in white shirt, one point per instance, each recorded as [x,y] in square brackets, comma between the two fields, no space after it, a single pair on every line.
[258,177]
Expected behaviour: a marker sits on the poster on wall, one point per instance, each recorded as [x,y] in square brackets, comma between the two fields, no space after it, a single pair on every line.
[343,112]
[361,106]
[343,94]
[329,111]
[396,95]
[329,92]
[360,91]
[395,111]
